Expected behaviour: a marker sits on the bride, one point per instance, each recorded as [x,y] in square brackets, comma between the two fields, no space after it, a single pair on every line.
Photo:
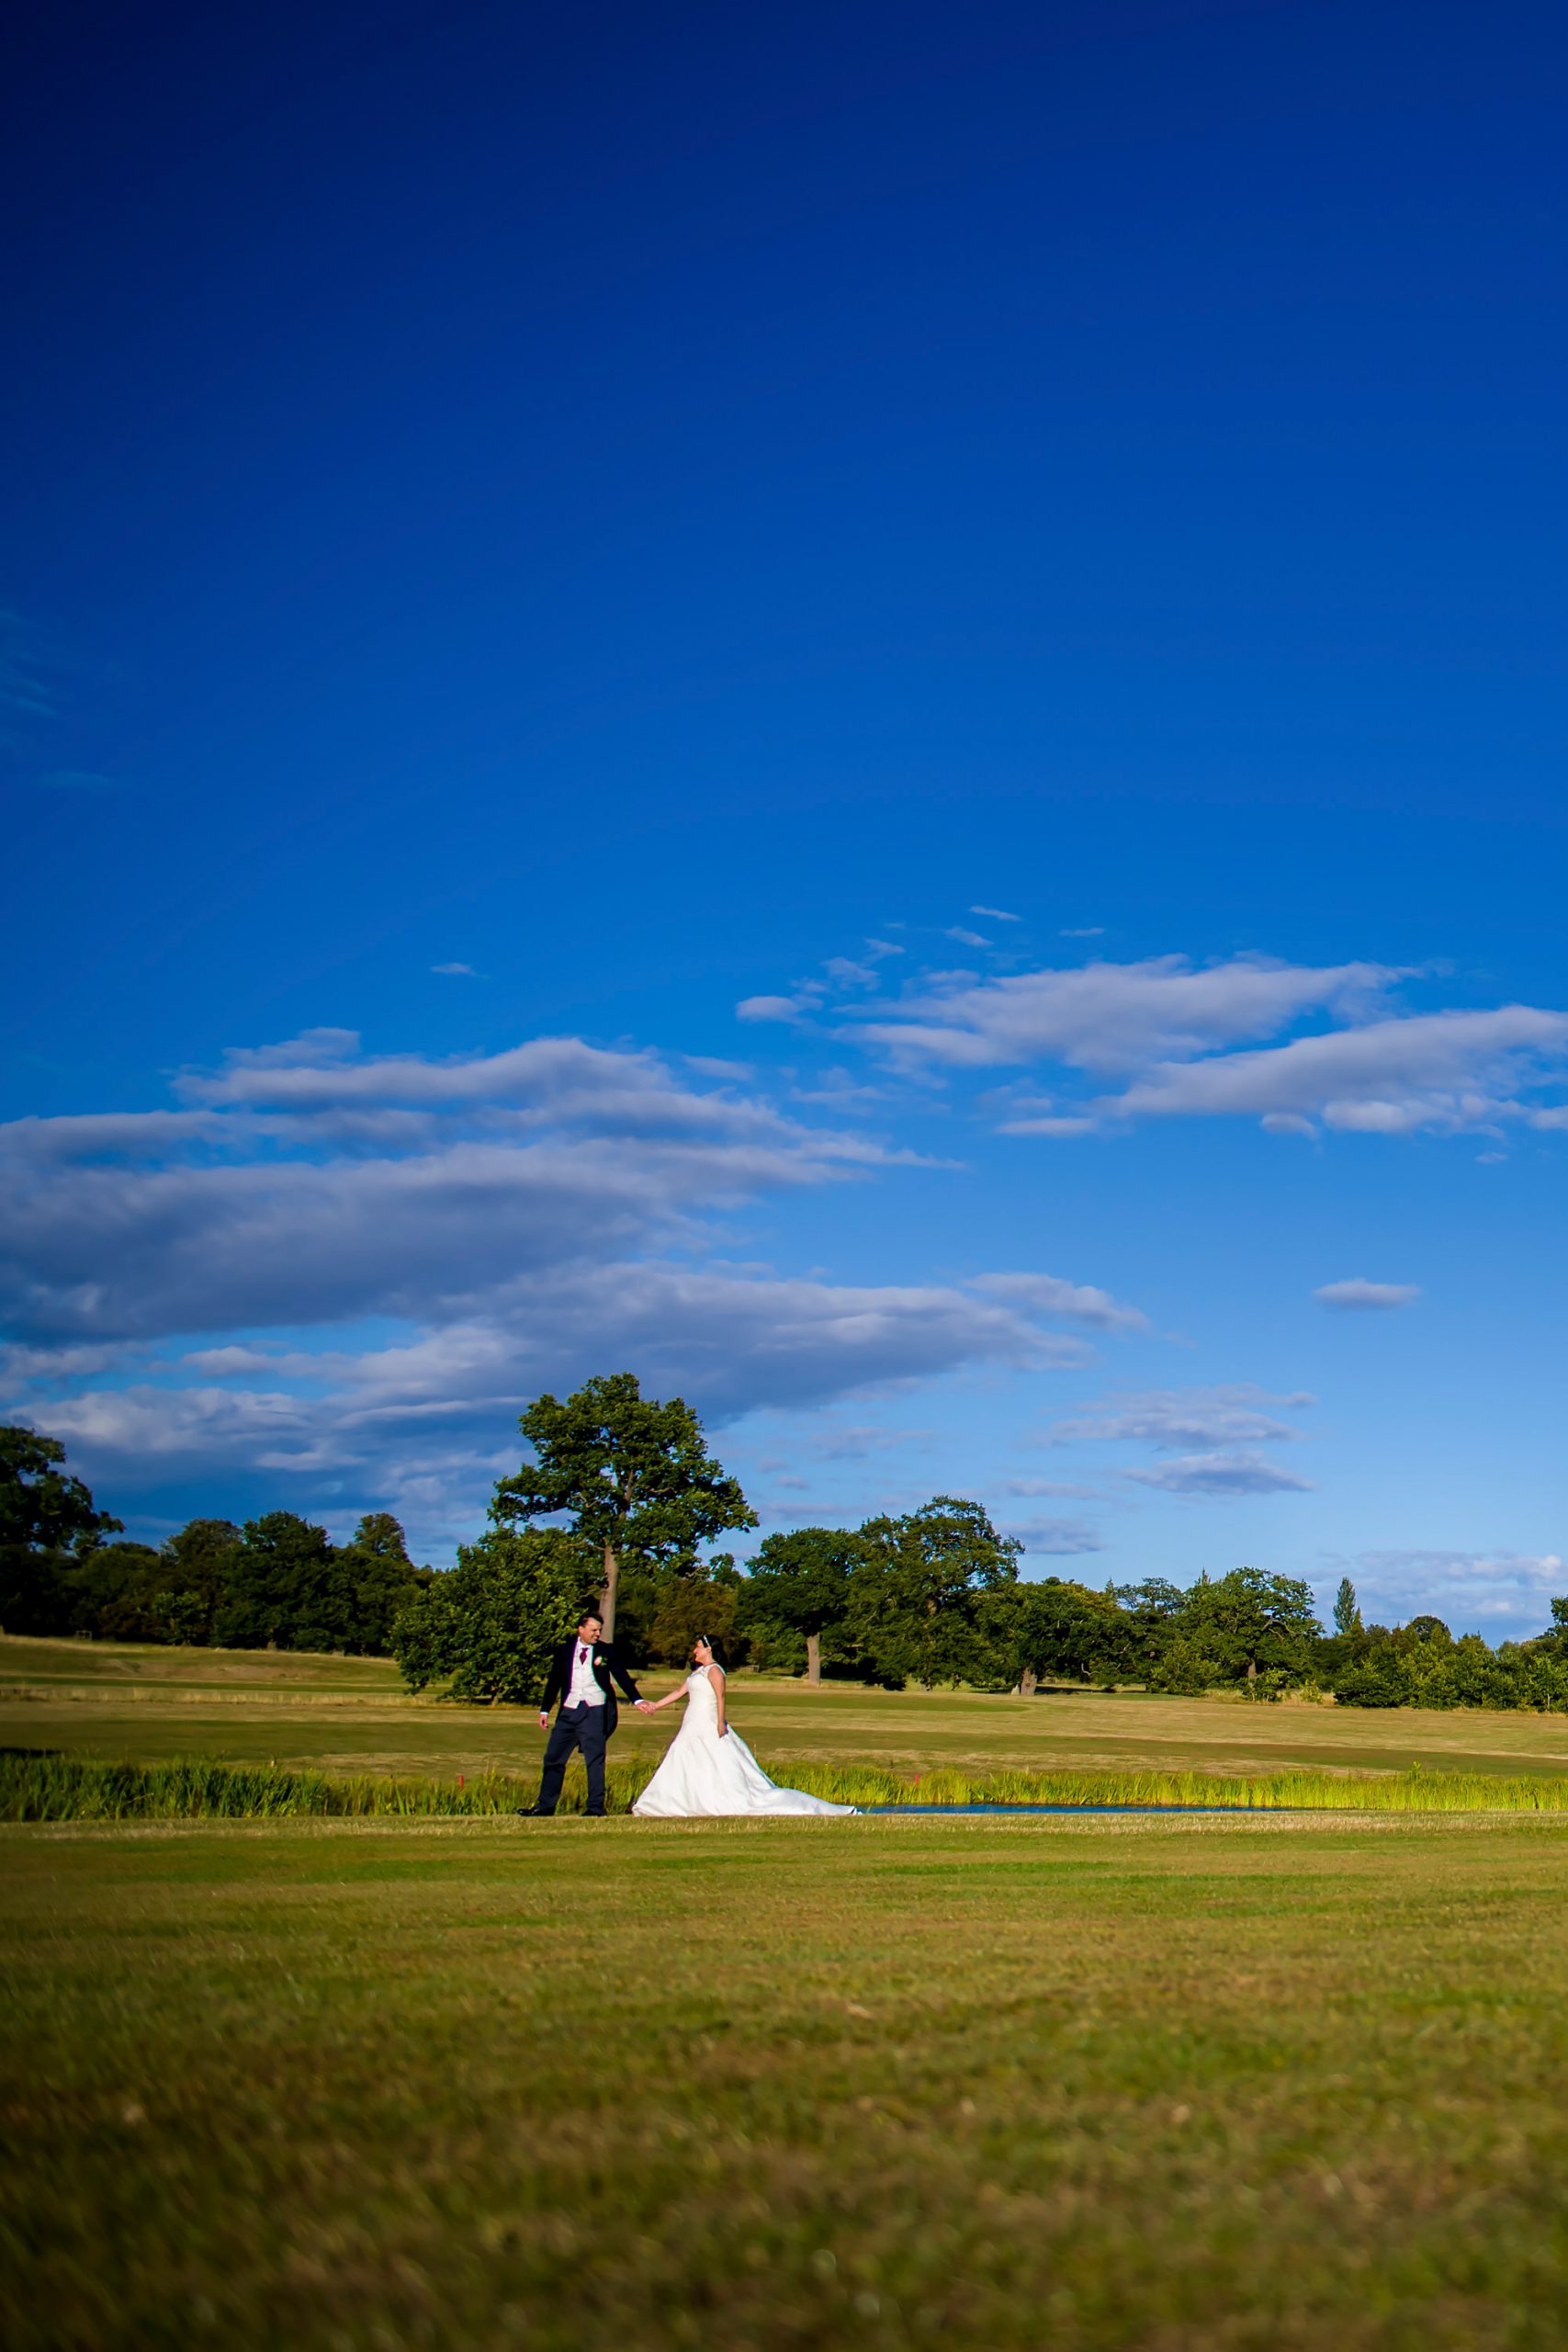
[707,1768]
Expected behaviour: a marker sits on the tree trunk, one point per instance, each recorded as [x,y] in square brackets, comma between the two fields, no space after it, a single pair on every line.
[1028,1683]
[612,1579]
[814,1658]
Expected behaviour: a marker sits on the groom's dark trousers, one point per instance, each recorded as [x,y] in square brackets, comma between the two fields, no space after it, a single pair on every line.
[581,1727]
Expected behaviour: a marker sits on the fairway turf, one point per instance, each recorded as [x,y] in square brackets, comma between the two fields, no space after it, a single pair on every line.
[1172,2085]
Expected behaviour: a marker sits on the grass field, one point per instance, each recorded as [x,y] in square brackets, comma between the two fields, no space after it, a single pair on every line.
[1296,2082]
[785,2085]
[351,1716]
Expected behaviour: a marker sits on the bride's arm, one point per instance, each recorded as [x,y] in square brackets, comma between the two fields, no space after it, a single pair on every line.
[715,1676]
[651,1707]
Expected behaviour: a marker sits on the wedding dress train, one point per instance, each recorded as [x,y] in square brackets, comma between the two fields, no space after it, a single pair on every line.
[705,1774]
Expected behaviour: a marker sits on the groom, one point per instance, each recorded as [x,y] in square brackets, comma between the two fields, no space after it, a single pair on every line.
[581,1674]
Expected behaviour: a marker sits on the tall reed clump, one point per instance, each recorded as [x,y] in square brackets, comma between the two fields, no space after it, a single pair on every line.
[70,1788]
[1415,1791]
[45,1787]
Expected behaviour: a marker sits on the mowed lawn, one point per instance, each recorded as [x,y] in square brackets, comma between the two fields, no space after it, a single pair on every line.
[1165,2085]
[350,1715]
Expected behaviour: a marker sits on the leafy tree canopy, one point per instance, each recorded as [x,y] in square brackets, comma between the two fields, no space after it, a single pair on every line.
[280,1588]
[634,1476]
[915,1594]
[1059,1629]
[42,1507]
[800,1584]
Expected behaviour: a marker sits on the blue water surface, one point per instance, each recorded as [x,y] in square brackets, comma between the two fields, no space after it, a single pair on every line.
[1066,1808]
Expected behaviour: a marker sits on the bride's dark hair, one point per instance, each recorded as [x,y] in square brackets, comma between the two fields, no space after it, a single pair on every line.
[709,1643]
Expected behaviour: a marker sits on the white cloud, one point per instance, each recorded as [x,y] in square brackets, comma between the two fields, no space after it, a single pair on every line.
[108,1135]
[549,1082]
[316,1185]
[996,914]
[1511,1587]
[966,938]
[527,1218]
[455,971]
[22,1365]
[1113,1017]
[729,1341]
[1174,1418]
[1084,931]
[772,1008]
[1357,1295]
[1220,1473]
[1388,1076]
[227,1363]
[1047,1295]
[1201,1042]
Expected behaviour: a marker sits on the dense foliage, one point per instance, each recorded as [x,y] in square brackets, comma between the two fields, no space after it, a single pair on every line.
[278,1582]
[486,1628]
[931,1596]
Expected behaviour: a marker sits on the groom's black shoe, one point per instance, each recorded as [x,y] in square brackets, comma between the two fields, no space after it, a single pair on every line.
[535,1813]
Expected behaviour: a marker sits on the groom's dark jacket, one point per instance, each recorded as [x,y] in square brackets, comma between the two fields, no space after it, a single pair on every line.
[607,1671]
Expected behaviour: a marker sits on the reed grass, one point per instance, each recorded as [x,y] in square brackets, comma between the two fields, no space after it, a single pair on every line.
[47,1787]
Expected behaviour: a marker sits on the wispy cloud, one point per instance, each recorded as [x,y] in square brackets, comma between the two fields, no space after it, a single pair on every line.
[1211,1435]
[1511,1587]
[25,693]
[1220,1473]
[996,914]
[1205,1042]
[1056,1538]
[1113,1017]
[791,1009]
[455,971]
[1172,1418]
[1443,1070]
[1359,1295]
[1061,1489]
[1079,1302]
[79,780]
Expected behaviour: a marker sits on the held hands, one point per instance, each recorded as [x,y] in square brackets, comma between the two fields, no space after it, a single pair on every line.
[643,1706]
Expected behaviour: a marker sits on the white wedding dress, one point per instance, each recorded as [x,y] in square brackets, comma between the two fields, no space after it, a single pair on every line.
[704,1774]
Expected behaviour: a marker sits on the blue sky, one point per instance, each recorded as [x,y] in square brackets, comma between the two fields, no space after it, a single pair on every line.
[860,708]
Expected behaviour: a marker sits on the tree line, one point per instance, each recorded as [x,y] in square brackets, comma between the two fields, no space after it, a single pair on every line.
[615,1506]
[276,1582]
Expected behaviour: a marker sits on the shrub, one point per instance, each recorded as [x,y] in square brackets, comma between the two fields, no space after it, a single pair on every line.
[489,1625]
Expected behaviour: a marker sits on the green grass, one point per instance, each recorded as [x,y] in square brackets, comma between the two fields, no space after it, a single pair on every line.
[1176,2086]
[303,2042]
[45,1787]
